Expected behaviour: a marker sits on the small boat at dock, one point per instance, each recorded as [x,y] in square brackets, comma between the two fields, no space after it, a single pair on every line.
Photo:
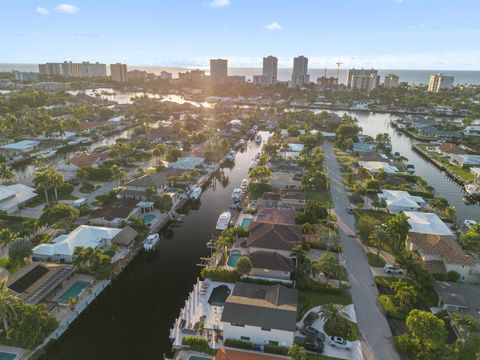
[231,155]
[258,139]
[244,184]
[196,192]
[237,195]
[151,242]
[224,221]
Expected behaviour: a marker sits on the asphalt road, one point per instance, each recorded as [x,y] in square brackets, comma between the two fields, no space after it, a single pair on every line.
[377,340]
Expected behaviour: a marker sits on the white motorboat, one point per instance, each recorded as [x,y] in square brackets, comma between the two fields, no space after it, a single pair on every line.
[410,168]
[244,184]
[469,223]
[241,142]
[237,194]
[151,242]
[224,220]
[196,192]
[258,139]
[252,164]
[472,189]
[231,155]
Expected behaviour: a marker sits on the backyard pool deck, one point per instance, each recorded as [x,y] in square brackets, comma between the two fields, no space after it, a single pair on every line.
[18,352]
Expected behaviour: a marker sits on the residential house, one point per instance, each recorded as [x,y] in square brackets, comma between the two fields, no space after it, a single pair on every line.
[460,298]
[397,201]
[20,147]
[376,166]
[284,165]
[427,223]
[237,354]
[188,163]
[115,213]
[261,314]
[62,247]
[449,148]
[476,172]
[276,216]
[465,160]
[289,199]
[281,238]
[14,197]
[472,130]
[271,266]
[363,147]
[285,181]
[137,188]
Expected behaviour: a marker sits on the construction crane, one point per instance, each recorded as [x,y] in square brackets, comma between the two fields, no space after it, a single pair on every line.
[338,67]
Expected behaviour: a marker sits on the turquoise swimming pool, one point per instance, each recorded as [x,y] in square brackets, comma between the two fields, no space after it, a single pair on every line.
[7,356]
[233,258]
[72,292]
[171,190]
[246,223]
[148,218]
[193,357]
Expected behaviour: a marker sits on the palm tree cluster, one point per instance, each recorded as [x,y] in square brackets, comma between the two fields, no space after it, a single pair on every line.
[7,175]
[47,180]
[92,261]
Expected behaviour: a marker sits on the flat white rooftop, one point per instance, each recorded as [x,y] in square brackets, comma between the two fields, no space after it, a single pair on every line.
[427,223]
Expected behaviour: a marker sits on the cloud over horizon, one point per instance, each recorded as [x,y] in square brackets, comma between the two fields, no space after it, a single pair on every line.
[274,26]
[41,10]
[66,9]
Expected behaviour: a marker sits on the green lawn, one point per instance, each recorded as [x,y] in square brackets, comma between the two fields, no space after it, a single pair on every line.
[40,199]
[321,196]
[374,261]
[311,356]
[427,295]
[5,263]
[368,219]
[310,299]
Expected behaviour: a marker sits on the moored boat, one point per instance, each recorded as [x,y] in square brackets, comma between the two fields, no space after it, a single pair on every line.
[224,221]
[196,192]
[244,184]
[151,242]
[231,155]
[237,194]
[258,139]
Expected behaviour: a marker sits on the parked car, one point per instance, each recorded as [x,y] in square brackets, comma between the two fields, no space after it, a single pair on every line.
[310,318]
[311,332]
[392,269]
[350,210]
[339,342]
[312,344]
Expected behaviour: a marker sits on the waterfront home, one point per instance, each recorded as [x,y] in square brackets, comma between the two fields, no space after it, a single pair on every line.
[62,247]
[291,199]
[460,298]
[276,216]
[84,160]
[188,163]
[115,213]
[427,223]
[34,282]
[14,197]
[284,165]
[363,147]
[137,188]
[442,253]
[281,238]
[472,130]
[397,201]
[237,354]
[465,160]
[449,148]
[376,166]
[272,266]
[476,172]
[20,147]
[283,180]
[261,314]
[431,131]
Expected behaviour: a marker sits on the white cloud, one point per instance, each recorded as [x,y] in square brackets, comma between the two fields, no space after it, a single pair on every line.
[41,11]
[218,3]
[274,26]
[66,9]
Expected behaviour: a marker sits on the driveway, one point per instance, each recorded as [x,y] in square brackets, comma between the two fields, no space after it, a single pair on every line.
[377,340]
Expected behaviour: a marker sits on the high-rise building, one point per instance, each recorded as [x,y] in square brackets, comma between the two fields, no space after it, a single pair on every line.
[25,76]
[327,82]
[440,82]
[70,69]
[391,81]
[218,69]
[51,69]
[363,79]
[192,75]
[270,70]
[300,75]
[119,72]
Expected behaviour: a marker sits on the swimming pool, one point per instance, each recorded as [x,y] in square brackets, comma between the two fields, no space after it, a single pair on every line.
[7,356]
[148,218]
[246,223]
[72,292]
[233,258]
[194,357]
[171,190]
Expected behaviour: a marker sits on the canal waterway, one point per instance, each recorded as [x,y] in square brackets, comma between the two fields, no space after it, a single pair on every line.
[373,124]
[132,319]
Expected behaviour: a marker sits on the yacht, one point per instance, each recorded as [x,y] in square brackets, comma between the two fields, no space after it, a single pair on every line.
[244,184]
[224,220]
[237,195]
[242,142]
[472,189]
[252,164]
[231,155]
[469,223]
[151,242]
[258,139]
[196,192]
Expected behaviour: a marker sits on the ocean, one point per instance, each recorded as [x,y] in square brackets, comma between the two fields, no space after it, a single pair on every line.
[411,76]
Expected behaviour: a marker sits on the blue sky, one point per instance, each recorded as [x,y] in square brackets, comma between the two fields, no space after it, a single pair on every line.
[402,34]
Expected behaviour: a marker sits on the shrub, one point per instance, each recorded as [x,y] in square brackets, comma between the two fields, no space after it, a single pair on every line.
[344,328]
[195,343]
[65,189]
[405,345]
[453,276]
[274,349]
[239,344]
[441,276]
[97,174]
[216,274]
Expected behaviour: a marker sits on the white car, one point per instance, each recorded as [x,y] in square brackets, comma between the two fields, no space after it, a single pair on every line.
[339,342]
[392,269]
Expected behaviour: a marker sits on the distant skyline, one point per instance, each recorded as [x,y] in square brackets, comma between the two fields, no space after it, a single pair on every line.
[388,34]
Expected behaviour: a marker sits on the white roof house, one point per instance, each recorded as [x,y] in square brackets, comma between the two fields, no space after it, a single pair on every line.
[187,163]
[465,159]
[376,166]
[12,197]
[116,119]
[401,201]
[296,147]
[21,146]
[427,223]
[62,246]
[475,171]
[236,122]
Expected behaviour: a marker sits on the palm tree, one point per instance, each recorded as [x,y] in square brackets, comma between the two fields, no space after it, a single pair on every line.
[8,305]
[331,313]
[309,229]
[56,180]
[118,174]
[398,228]
[6,173]
[43,180]
[159,151]
[328,264]
[7,236]
[379,237]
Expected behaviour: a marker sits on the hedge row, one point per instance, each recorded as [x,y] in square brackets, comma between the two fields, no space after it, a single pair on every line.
[239,344]
[216,274]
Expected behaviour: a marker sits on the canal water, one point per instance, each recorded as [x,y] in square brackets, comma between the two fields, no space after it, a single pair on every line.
[132,319]
[373,124]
